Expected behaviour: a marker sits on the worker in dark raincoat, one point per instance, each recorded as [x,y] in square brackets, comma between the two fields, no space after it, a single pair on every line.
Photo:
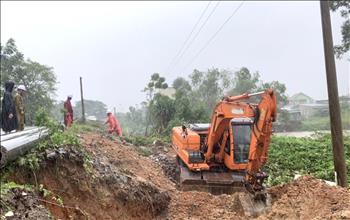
[68,112]
[8,114]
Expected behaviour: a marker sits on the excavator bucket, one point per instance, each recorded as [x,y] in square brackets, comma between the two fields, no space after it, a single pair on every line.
[254,205]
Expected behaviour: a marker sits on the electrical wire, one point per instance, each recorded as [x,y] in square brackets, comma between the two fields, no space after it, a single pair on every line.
[213,36]
[198,32]
[189,36]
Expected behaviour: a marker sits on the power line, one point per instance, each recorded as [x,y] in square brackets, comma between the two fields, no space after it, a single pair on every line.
[189,36]
[200,29]
[212,37]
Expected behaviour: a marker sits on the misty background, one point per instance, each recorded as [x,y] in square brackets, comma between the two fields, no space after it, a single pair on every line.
[116,46]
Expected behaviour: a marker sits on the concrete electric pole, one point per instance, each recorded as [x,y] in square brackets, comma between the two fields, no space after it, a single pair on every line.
[333,99]
[82,99]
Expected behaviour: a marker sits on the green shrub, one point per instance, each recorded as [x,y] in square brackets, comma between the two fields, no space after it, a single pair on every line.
[290,155]
[42,118]
[57,137]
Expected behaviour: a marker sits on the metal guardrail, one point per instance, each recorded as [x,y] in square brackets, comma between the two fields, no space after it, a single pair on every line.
[16,144]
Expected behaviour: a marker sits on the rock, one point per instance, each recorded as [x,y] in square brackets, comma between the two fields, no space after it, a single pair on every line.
[157,143]
[345,214]
[9,214]
[62,151]
[51,155]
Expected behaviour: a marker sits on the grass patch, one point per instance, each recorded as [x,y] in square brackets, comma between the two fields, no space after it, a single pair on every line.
[145,141]
[7,187]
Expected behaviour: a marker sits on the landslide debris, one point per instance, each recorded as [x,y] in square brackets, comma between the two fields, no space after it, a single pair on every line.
[308,198]
[287,200]
[22,204]
[119,183]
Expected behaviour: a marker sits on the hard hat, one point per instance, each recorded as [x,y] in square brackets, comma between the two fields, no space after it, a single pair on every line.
[109,111]
[22,87]
[70,96]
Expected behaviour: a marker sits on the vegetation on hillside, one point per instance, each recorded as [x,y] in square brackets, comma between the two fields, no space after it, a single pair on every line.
[344,7]
[40,80]
[193,101]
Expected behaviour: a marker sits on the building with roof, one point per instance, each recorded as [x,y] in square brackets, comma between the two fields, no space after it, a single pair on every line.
[300,98]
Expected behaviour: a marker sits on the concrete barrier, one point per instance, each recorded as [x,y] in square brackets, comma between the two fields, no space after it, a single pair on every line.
[16,144]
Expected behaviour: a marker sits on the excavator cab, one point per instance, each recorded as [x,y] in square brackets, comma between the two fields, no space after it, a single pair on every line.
[241,133]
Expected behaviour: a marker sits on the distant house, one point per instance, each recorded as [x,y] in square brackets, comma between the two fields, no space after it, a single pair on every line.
[302,106]
[308,110]
[91,118]
[170,92]
[294,114]
[300,98]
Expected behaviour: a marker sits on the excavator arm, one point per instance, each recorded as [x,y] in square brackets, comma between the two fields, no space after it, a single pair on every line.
[262,130]
[264,114]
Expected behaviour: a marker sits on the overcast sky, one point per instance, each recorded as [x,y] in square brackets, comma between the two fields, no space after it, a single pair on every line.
[115,46]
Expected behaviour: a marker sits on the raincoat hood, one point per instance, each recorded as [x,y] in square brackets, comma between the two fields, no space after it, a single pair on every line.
[9,86]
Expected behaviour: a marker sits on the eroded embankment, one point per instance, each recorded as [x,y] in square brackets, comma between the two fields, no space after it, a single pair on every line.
[102,191]
[121,184]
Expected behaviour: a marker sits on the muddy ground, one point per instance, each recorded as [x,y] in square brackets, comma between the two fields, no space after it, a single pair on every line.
[122,184]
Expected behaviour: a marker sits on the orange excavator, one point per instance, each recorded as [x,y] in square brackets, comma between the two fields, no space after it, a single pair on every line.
[228,154]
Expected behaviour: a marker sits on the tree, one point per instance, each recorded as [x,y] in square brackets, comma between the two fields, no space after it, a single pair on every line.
[244,81]
[156,82]
[181,84]
[279,89]
[208,87]
[39,79]
[57,111]
[161,110]
[92,108]
[344,7]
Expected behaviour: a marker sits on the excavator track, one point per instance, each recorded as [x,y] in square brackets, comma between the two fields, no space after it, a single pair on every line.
[215,182]
[228,182]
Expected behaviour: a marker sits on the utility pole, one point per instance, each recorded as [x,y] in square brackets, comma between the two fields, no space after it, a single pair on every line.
[333,99]
[82,99]
[115,112]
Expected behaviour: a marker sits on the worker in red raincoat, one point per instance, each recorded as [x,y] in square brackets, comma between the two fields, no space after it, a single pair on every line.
[68,112]
[114,126]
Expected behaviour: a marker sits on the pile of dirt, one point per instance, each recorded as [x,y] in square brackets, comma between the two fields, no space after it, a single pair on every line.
[22,204]
[308,198]
[126,159]
[203,205]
